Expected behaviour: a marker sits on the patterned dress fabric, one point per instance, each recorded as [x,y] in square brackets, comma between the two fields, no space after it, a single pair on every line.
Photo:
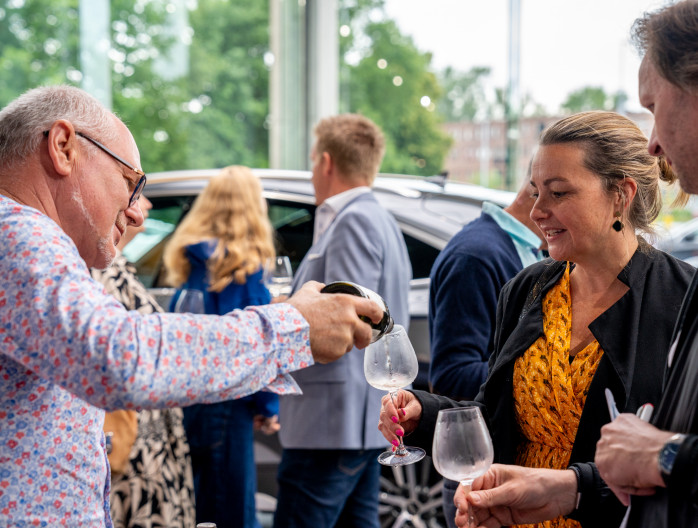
[70,350]
[157,488]
[550,389]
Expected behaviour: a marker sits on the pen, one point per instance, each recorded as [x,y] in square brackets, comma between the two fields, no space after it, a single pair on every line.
[610,400]
[644,412]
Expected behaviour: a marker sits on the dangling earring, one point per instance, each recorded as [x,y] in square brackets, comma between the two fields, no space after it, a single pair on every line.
[617,225]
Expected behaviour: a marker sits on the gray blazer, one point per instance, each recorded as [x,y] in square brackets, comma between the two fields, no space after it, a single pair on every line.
[338,408]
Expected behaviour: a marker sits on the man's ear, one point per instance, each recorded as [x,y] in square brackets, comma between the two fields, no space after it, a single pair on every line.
[62,147]
[327,164]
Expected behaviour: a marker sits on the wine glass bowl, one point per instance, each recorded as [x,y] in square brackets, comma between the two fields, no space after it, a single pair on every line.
[462,448]
[190,301]
[278,276]
[390,364]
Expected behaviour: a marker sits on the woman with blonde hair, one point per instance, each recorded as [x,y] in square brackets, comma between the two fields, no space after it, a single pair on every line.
[220,248]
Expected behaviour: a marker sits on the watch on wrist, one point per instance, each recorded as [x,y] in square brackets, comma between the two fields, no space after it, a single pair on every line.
[667,455]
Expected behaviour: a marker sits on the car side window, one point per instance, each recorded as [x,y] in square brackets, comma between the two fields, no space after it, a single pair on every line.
[422,256]
[293,224]
[146,248]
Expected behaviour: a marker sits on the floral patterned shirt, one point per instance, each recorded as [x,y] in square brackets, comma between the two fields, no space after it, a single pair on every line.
[70,350]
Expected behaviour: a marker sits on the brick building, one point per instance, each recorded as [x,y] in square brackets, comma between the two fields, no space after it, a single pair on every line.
[479,150]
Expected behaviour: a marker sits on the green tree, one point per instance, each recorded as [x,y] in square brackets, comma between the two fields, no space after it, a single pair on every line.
[230,81]
[217,113]
[147,103]
[593,98]
[465,97]
[392,84]
[39,45]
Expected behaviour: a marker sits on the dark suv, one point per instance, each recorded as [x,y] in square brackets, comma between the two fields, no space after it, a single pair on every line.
[429,212]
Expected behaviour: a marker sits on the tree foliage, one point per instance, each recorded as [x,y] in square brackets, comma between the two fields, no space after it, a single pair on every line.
[217,113]
[592,98]
[38,45]
[229,77]
[465,94]
[392,84]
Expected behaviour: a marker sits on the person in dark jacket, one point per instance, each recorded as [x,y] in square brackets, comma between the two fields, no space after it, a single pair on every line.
[660,461]
[466,279]
[220,248]
[656,463]
[600,315]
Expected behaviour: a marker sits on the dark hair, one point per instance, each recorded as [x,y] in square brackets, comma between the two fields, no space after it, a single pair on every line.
[669,37]
[615,149]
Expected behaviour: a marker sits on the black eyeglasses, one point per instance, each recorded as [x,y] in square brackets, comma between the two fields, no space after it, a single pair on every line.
[141,182]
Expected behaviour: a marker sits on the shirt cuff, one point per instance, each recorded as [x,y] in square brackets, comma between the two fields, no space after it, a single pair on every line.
[292,338]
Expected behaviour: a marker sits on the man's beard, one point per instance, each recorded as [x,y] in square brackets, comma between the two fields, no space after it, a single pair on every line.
[106,250]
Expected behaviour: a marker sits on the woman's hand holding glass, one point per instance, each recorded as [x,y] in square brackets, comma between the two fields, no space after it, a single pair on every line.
[399,415]
[391,363]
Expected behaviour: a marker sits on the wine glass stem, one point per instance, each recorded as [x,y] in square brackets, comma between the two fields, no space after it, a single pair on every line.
[401,451]
[467,484]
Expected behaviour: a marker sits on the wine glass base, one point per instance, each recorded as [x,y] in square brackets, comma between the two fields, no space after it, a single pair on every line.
[414,454]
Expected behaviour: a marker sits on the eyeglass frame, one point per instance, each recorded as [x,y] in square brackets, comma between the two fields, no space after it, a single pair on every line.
[141,182]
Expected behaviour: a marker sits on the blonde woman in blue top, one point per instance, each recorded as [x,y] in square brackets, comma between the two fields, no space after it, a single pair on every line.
[219,248]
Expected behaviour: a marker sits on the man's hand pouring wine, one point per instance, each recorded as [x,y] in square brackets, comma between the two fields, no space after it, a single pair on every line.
[334,321]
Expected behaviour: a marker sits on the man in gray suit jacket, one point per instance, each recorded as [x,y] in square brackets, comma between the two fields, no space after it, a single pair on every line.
[329,475]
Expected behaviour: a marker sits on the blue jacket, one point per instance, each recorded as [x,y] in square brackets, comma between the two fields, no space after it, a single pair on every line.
[234,296]
[466,279]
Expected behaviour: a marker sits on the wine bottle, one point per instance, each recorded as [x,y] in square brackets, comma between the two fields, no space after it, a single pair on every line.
[381,328]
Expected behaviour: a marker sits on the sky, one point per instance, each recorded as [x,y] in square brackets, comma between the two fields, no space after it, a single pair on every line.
[564,44]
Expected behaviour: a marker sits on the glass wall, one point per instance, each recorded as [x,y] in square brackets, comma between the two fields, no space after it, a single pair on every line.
[191,78]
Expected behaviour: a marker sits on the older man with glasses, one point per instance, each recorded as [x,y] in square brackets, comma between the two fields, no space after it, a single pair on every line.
[70,351]
[139,185]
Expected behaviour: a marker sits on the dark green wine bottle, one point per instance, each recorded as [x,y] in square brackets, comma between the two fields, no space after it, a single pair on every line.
[381,328]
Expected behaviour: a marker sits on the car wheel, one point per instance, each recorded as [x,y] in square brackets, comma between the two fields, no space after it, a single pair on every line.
[410,496]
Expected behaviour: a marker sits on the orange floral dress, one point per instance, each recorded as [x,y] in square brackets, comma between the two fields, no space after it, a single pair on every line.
[550,389]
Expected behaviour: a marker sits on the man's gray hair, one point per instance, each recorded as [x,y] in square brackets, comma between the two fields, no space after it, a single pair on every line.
[23,121]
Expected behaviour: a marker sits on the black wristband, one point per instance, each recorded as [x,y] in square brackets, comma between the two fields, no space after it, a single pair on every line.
[579,479]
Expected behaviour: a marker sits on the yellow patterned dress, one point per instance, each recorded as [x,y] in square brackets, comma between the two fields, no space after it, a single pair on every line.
[550,389]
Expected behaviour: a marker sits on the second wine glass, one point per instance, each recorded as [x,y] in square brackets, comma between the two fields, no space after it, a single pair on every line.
[390,364]
[462,448]
[190,301]
[278,276]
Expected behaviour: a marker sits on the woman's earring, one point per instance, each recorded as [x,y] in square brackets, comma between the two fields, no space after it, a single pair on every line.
[617,225]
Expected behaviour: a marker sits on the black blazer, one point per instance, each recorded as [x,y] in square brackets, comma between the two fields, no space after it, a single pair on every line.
[677,504]
[635,334]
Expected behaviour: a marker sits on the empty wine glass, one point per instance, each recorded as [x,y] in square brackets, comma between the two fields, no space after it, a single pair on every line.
[462,448]
[190,301]
[278,276]
[390,364]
